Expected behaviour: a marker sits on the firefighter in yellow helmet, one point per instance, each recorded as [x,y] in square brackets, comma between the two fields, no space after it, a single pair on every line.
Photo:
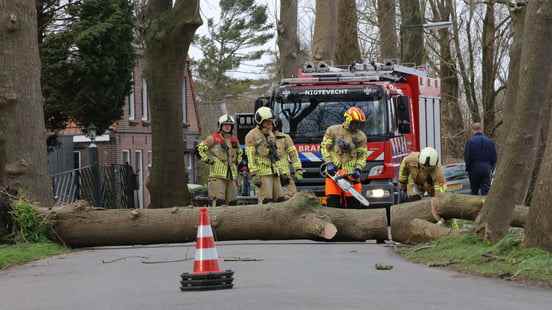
[421,173]
[344,151]
[262,156]
[289,165]
[221,151]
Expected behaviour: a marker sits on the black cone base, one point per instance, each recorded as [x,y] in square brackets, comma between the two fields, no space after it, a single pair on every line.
[207,281]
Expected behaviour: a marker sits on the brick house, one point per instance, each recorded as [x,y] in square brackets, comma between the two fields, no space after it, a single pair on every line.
[129,139]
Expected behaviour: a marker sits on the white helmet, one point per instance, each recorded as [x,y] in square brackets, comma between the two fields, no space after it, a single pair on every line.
[225,119]
[428,157]
[263,114]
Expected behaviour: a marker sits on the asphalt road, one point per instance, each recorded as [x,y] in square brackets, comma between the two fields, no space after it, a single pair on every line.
[292,275]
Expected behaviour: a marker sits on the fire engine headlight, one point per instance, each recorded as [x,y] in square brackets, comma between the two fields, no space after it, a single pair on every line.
[376,170]
[378,193]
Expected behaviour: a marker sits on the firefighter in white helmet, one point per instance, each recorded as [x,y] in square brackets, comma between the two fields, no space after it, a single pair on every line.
[421,173]
[262,157]
[221,151]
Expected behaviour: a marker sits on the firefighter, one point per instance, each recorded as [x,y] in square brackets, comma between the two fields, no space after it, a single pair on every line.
[261,150]
[421,173]
[289,165]
[221,151]
[344,151]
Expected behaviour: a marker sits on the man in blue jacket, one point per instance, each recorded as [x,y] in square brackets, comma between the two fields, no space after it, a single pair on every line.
[480,158]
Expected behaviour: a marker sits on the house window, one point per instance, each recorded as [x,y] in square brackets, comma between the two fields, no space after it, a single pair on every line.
[125,156]
[145,103]
[131,100]
[184,102]
[149,158]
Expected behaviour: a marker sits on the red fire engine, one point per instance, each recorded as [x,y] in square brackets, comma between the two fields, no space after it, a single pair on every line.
[401,105]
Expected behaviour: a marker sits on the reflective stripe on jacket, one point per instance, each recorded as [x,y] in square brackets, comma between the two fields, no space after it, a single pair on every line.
[258,153]
[344,148]
[431,180]
[224,152]
[287,153]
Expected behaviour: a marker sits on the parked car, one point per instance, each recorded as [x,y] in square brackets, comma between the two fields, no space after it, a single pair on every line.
[457,178]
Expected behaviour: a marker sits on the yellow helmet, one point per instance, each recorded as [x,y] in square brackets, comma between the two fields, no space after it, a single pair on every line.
[354,115]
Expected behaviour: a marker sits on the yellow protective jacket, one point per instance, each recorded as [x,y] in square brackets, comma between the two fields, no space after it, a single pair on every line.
[344,148]
[430,180]
[287,154]
[258,149]
[222,154]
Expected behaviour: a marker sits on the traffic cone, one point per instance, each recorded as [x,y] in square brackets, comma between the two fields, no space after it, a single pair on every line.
[206,274]
[206,257]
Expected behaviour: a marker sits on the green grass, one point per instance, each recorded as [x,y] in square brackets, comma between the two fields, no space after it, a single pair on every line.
[506,259]
[25,252]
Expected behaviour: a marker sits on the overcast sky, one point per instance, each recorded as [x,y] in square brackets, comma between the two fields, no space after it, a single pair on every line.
[251,69]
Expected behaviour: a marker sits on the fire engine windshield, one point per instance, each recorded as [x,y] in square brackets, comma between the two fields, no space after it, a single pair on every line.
[309,118]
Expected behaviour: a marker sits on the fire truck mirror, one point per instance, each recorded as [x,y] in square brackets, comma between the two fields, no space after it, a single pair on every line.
[402,104]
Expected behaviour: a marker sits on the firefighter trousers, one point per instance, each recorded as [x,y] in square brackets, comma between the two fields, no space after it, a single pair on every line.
[288,188]
[270,190]
[222,190]
[337,198]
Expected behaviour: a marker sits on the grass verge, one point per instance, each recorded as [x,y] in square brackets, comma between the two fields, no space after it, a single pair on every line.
[467,253]
[20,253]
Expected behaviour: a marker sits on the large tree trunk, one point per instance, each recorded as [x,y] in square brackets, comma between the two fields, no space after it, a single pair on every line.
[452,121]
[539,222]
[412,33]
[23,156]
[299,218]
[488,69]
[347,48]
[168,38]
[514,174]
[325,30]
[288,42]
[518,21]
[388,34]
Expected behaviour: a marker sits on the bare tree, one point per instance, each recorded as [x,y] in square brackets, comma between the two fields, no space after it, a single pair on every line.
[514,174]
[347,48]
[388,34]
[23,156]
[412,33]
[488,69]
[168,35]
[325,30]
[288,42]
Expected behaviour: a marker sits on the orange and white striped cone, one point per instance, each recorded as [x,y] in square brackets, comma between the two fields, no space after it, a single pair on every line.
[206,257]
[206,274]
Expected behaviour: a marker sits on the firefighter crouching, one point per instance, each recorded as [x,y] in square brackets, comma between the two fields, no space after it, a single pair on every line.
[221,151]
[289,165]
[421,173]
[344,151]
[260,145]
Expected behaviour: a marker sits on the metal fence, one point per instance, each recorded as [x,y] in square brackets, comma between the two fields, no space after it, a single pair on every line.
[110,186]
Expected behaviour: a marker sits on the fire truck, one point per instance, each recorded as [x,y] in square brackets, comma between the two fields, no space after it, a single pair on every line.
[401,106]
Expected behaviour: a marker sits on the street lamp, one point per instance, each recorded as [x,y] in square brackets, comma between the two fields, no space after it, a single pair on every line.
[427,26]
[91,132]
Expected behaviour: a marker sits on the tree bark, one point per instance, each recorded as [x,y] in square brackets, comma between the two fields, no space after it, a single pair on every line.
[488,69]
[23,155]
[325,31]
[347,47]
[288,42]
[168,38]
[78,225]
[539,222]
[514,174]
[412,33]
[388,35]
[518,21]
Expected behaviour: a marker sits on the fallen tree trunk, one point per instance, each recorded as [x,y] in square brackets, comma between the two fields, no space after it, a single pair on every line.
[78,225]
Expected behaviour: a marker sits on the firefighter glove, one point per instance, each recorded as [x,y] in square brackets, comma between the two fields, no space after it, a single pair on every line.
[403,187]
[298,175]
[355,176]
[331,169]
[256,180]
